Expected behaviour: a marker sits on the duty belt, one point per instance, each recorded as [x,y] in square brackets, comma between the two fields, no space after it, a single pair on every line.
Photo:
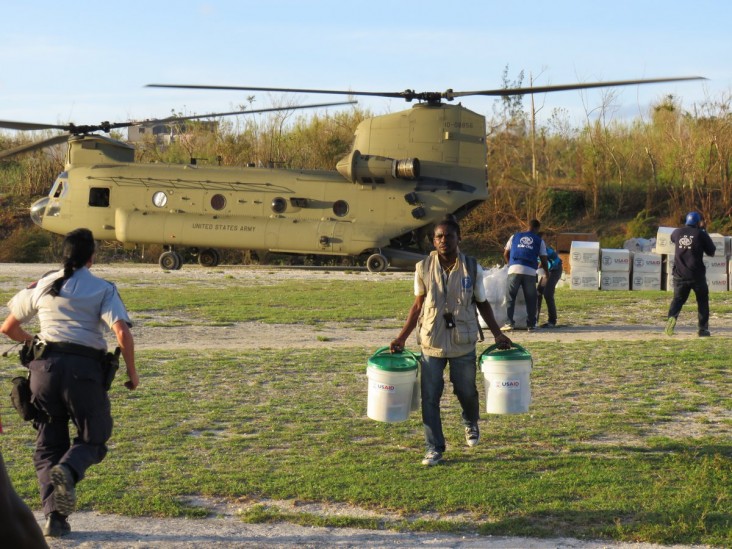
[75,349]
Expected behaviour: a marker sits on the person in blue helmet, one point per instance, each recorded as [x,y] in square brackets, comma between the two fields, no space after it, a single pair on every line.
[523,252]
[689,273]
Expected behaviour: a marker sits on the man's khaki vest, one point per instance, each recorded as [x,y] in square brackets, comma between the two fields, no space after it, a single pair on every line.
[457,298]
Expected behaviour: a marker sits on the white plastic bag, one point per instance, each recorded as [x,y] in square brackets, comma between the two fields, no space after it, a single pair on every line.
[495,282]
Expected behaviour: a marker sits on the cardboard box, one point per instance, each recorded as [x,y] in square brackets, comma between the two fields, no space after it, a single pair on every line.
[585,255]
[647,263]
[646,281]
[663,241]
[668,282]
[584,279]
[615,260]
[615,280]
[716,264]
[717,281]
[564,240]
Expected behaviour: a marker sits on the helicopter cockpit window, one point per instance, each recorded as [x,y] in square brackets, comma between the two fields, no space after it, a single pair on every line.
[160,199]
[99,197]
[58,190]
[340,208]
[59,186]
[218,202]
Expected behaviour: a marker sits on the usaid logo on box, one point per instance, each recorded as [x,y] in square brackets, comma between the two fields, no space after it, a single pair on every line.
[715,263]
[647,263]
[717,281]
[615,260]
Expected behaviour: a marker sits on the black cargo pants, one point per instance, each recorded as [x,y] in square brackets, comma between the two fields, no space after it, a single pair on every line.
[682,289]
[67,386]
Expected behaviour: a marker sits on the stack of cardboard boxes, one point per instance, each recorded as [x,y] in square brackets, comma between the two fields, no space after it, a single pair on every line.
[584,261]
[647,271]
[591,267]
[615,269]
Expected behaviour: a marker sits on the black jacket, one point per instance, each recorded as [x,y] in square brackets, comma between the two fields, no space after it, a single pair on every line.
[691,245]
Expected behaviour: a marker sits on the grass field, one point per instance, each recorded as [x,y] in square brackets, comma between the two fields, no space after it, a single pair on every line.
[625,440]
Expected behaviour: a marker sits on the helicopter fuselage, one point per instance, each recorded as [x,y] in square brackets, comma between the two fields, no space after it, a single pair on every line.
[405,171]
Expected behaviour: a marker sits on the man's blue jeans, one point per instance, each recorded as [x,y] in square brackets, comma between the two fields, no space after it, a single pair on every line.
[462,377]
[528,283]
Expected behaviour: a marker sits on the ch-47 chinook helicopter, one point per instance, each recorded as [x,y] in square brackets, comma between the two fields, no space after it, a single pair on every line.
[405,171]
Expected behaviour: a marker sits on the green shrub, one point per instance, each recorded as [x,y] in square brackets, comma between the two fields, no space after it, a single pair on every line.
[644,225]
[26,245]
[566,204]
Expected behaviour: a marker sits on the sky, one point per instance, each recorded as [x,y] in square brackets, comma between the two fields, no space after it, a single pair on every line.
[87,62]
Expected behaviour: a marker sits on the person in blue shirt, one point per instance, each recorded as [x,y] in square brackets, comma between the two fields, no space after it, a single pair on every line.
[523,252]
[547,284]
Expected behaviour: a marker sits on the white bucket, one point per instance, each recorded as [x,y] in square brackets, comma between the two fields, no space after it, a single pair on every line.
[507,379]
[392,379]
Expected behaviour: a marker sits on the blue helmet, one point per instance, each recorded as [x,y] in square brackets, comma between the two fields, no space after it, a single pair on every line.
[692,219]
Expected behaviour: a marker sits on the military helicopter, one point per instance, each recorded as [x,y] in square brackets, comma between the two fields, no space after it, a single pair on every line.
[405,171]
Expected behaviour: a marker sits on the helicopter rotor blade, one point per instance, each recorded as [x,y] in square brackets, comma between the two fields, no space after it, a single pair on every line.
[278,90]
[435,97]
[566,87]
[30,126]
[55,140]
[73,129]
[233,113]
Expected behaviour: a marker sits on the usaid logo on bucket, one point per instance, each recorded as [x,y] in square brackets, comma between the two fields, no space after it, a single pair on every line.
[383,386]
[507,384]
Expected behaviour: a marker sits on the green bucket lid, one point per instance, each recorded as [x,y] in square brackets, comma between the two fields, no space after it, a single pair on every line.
[516,352]
[384,359]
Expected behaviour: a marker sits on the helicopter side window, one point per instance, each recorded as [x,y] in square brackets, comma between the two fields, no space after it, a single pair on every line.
[218,202]
[340,208]
[99,197]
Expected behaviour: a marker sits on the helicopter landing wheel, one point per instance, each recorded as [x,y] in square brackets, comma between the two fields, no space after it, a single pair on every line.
[377,263]
[209,257]
[170,261]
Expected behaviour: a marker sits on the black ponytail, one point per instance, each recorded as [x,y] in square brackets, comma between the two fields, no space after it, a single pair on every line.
[78,247]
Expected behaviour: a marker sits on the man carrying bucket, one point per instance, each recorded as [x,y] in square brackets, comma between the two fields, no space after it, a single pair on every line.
[448,288]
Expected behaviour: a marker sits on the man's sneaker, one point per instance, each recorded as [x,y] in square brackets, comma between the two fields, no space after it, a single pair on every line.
[64,490]
[56,525]
[432,457]
[670,325]
[531,328]
[472,435]
[507,327]
[549,325]
[704,333]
